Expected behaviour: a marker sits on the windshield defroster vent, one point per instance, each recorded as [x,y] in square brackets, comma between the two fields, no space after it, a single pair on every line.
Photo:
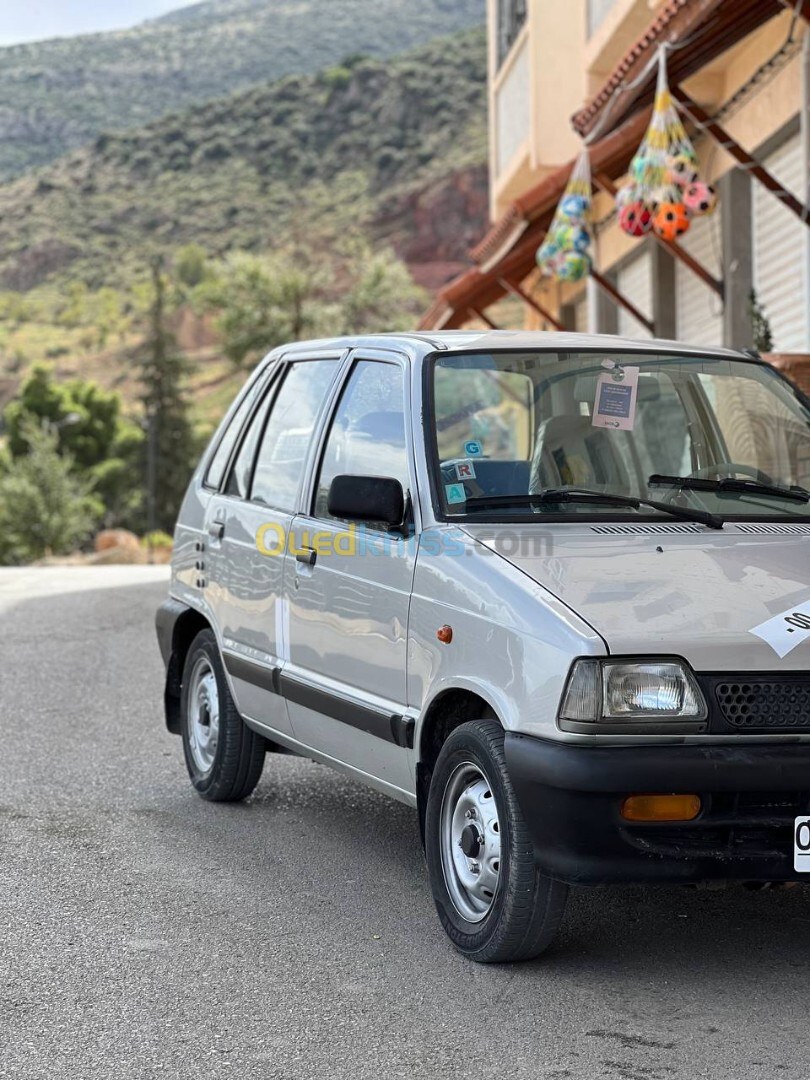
[641,530]
[774,528]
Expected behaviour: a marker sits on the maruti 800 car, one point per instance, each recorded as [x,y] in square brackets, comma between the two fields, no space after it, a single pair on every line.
[553,591]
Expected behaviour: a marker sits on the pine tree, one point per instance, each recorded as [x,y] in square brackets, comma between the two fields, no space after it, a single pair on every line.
[170,444]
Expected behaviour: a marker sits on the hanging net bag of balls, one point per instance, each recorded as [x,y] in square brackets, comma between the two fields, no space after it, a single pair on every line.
[564,254]
[664,190]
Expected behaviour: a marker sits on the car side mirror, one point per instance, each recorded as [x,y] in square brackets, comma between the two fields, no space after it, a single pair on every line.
[368,499]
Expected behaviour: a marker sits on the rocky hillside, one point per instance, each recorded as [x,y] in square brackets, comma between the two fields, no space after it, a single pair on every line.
[394,148]
[58,95]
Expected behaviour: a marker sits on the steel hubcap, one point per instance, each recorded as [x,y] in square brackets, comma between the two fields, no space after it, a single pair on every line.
[470,842]
[203,715]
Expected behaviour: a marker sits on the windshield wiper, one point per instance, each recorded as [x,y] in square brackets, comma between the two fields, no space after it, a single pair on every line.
[731,483]
[602,498]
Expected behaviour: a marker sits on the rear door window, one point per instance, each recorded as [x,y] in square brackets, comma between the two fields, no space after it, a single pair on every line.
[288,432]
[222,454]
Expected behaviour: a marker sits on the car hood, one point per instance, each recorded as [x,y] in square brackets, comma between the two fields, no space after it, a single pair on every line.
[680,590]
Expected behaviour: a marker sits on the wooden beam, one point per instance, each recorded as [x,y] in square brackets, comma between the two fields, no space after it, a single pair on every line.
[704,123]
[521,294]
[484,318]
[622,300]
[607,185]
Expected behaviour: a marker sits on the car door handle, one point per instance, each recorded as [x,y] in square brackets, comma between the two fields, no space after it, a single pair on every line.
[307,556]
[216,529]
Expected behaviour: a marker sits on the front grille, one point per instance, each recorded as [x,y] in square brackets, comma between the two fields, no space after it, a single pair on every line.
[757,703]
[765,704]
[745,825]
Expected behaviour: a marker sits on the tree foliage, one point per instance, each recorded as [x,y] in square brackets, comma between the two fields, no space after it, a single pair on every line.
[263,302]
[89,430]
[46,507]
[170,450]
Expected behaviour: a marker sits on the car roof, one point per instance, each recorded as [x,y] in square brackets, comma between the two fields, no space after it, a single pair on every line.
[420,344]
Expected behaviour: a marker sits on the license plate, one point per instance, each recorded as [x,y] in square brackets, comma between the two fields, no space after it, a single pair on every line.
[801,845]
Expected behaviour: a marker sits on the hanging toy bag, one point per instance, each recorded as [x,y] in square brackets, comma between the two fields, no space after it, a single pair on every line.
[564,254]
[663,191]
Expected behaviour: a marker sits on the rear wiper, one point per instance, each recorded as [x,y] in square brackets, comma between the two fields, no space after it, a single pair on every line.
[603,498]
[730,483]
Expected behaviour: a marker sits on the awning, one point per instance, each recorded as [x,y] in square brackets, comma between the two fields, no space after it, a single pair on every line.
[699,30]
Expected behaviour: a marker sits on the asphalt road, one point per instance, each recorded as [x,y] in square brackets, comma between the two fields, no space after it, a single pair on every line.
[146,933]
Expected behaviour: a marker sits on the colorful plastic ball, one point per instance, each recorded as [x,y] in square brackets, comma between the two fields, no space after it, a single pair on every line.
[574,265]
[635,218]
[671,220]
[563,236]
[573,207]
[661,196]
[699,198]
[682,170]
[626,194]
[581,239]
[639,168]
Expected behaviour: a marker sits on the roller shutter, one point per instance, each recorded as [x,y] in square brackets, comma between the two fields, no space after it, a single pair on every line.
[780,252]
[635,282]
[699,310]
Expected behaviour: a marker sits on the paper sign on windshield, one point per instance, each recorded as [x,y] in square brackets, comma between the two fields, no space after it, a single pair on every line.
[784,632]
[616,393]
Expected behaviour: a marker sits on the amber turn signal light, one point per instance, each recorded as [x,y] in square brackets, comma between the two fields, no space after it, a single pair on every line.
[445,634]
[661,807]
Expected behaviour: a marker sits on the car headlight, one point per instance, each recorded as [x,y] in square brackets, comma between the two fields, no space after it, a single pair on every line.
[632,695]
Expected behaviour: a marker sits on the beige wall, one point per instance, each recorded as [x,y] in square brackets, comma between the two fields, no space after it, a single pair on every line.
[530,140]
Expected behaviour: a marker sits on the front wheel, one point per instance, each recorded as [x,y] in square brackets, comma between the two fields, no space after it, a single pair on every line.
[492,900]
[223,756]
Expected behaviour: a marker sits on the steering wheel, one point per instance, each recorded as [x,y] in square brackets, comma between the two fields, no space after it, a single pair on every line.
[728,468]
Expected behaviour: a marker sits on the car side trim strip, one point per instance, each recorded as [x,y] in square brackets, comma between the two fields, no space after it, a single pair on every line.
[239,667]
[388,726]
[391,727]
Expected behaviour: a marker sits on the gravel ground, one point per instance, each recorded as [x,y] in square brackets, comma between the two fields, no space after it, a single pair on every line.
[146,933]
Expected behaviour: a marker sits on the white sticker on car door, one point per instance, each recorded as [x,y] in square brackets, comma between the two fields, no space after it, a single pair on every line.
[786,631]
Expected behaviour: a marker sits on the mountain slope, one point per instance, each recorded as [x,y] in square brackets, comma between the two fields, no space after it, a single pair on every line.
[58,95]
[394,148]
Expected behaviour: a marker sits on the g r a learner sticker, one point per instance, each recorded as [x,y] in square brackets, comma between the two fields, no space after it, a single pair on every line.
[801,845]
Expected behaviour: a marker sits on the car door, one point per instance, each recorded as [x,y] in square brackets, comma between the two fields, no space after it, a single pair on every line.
[248,523]
[348,590]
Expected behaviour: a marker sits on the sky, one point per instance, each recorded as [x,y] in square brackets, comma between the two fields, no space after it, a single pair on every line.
[33,20]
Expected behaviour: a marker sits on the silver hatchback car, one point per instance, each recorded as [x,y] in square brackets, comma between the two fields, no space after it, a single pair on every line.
[553,591]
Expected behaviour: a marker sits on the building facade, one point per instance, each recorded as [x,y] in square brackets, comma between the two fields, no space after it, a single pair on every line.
[560,73]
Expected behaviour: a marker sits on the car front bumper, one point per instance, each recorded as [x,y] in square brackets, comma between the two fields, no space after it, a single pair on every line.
[571,796]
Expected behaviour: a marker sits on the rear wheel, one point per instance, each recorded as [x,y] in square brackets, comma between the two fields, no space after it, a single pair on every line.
[492,900]
[223,756]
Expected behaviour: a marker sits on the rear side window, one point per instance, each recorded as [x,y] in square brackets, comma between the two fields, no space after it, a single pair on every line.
[219,462]
[239,480]
[286,439]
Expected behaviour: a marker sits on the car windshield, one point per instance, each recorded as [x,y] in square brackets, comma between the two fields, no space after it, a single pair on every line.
[617,434]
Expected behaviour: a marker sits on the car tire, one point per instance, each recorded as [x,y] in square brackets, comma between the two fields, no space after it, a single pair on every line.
[505,910]
[223,756]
